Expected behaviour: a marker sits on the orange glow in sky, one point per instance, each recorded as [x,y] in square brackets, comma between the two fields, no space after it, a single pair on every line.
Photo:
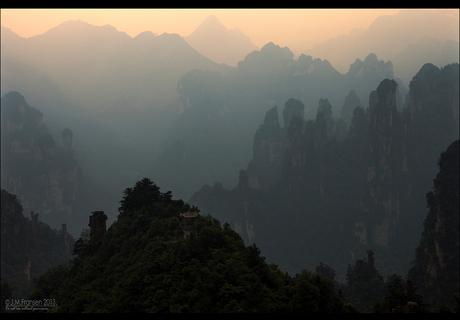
[281,26]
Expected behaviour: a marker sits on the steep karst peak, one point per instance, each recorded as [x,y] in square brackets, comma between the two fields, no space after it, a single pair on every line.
[210,23]
[371,59]
[274,48]
[211,20]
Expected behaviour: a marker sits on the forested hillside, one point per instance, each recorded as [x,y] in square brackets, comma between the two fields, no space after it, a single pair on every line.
[161,255]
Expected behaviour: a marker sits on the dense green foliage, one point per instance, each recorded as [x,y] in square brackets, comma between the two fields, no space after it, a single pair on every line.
[28,247]
[143,263]
[397,298]
[364,284]
[6,292]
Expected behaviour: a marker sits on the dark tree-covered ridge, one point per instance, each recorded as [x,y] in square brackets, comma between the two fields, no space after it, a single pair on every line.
[146,262]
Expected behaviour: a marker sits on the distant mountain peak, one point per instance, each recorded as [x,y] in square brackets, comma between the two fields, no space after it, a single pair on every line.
[216,42]
[211,19]
[81,27]
[146,35]
[71,23]
[210,24]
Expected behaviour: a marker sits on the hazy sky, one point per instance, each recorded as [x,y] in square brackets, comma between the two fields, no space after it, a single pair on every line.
[281,26]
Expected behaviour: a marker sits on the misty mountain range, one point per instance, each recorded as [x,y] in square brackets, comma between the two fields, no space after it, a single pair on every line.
[316,156]
[93,64]
[401,36]
[136,99]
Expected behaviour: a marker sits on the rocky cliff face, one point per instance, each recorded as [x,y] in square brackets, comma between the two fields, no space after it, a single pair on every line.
[371,66]
[351,101]
[28,246]
[384,169]
[366,188]
[43,175]
[436,264]
[364,76]
[433,98]
[264,168]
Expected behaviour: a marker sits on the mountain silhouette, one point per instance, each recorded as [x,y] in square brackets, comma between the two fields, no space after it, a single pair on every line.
[440,53]
[219,44]
[387,36]
[80,59]
[107,81]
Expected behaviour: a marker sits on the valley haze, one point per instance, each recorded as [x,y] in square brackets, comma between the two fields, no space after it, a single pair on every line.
[314,133]
[81,72]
